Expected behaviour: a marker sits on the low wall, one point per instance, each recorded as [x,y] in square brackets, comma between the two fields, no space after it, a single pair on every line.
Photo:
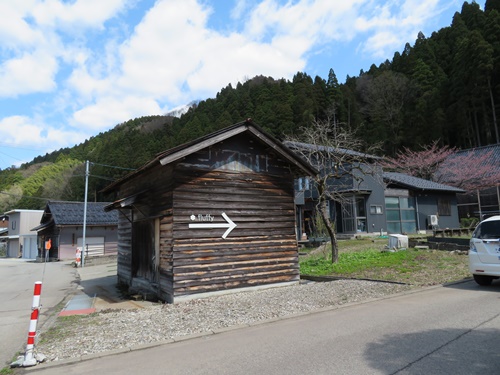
[101,259]
[450,232]
[443,243]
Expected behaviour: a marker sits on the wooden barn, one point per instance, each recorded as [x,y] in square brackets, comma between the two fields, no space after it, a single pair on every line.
[214,214]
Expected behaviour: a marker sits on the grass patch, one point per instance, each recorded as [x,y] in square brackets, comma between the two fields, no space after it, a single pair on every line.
[357,262]
[364,259]
[63,328]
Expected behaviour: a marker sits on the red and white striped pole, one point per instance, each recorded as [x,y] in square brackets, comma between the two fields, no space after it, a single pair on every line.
[29,357]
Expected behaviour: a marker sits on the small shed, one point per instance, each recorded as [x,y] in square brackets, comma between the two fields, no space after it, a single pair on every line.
[61,225]
[211,215]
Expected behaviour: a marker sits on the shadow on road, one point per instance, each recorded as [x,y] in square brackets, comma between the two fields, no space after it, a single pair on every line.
[104,287]
[449,351]
[471,285]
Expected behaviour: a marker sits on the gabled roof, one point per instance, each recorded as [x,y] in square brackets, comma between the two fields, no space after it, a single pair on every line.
[485,156]
[62,213]
[248,126]
[478,151]
[338,150]
[416,183]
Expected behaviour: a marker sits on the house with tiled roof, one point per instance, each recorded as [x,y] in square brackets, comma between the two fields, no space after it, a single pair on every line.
[376,201]
[414,204]
[60,232]
[485,200]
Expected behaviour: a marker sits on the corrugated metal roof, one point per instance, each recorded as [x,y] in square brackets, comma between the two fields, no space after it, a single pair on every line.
[71,213]
[417,183]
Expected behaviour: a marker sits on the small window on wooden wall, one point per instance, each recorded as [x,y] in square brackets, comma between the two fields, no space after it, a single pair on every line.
[375,209]
[444,207]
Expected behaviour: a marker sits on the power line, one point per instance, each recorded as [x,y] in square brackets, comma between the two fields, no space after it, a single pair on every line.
[19,148]
[79,175]
[112,166]
[25,196]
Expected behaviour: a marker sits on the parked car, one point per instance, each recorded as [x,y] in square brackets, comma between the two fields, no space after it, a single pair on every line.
[484,252]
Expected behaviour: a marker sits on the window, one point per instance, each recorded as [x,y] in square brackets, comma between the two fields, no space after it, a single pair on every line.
[444,206]
[354,215]
[375,209]
[303,183]
[487,230]
[400,214]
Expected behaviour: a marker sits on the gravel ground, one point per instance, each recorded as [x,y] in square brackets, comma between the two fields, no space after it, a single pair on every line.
[119,329]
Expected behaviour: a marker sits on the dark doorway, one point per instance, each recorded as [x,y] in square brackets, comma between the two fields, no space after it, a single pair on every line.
[143,235]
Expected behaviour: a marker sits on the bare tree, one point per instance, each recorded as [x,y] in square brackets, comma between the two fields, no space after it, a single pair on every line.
[343,162]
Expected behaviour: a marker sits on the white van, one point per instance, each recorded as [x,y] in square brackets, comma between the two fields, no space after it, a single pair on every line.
[484,252]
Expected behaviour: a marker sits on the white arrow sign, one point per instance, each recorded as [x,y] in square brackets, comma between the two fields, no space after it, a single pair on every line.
[230,225]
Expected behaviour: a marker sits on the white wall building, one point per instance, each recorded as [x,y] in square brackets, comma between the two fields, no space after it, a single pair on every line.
[21,239]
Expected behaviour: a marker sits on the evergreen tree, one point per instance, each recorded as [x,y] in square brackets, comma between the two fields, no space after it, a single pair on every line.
[492,5]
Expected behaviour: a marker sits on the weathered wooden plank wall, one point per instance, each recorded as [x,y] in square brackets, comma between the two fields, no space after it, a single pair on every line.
[240,177]
[166,289]
[262,249]
[124,270]
[154,200]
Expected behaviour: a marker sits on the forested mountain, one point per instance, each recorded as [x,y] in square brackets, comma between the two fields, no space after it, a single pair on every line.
[444,87]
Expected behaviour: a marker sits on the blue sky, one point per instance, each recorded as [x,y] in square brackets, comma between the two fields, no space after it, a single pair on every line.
[70,70]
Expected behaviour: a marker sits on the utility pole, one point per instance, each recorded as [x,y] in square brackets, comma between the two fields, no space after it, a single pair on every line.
[85,210]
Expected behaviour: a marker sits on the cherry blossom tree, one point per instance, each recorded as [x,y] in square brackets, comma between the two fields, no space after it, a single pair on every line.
[468,170]
[424,163]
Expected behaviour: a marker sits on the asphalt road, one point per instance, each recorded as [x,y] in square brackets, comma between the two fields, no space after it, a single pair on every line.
[440,330]
[17,278]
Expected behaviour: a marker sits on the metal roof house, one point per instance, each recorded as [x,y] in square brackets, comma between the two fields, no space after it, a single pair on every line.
[62,224]
[211,215]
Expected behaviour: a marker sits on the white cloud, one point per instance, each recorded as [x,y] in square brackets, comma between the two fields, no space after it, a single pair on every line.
[15,32]
[393,23]
[28,73]
[239,9]
[32,45]
[172,56]
[25,131]
[114,110]
[88,13]
[98,71]
[380,42]
[319,20]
